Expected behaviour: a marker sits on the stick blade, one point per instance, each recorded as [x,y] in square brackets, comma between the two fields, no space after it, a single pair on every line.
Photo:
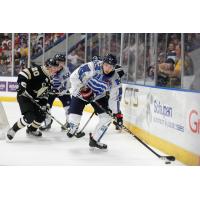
[171,158]
[80,134]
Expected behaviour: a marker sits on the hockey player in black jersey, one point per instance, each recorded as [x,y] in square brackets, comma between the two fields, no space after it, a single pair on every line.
[60,90]
[33,86]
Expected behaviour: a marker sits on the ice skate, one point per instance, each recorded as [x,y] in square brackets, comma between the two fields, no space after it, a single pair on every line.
[33,133]
[10,134]
[46,126]
[93,143]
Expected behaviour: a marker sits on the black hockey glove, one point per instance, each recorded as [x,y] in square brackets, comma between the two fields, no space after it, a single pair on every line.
[119,70]
[118,121]
[87,94]
[44,110]
[21,89]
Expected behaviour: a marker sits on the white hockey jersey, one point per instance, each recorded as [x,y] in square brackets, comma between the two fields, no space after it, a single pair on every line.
[61,81]
[91,75]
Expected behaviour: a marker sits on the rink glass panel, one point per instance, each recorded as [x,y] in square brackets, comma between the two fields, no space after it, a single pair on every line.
[20,52]
[191,64]
[76,53]
[132,58]
[92,46]
[139,53]
[54,43]
[6,54]
[141,59]
[150,61]
[125,52]
[37,48]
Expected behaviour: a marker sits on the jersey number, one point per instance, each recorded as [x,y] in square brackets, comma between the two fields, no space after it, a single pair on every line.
[35,71]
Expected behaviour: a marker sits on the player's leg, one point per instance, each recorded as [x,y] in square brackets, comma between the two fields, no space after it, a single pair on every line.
[39,117]
[48,121]
[65,99]
[75,112]
[26,107]
[102,126]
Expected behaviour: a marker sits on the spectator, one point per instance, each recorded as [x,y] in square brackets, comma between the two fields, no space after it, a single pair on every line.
[24,50]
[74,58]
[5,54]
[171,54]
[171,70]
[95,49]
[81,51]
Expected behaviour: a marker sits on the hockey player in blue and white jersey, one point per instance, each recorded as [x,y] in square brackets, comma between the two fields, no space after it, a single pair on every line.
[115,97]
[60,90]
[92,82]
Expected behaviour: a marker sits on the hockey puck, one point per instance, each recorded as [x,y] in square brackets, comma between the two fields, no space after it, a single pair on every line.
[167,162]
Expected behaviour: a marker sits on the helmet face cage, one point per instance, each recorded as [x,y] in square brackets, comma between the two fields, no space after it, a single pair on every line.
[60,57]
[110,59]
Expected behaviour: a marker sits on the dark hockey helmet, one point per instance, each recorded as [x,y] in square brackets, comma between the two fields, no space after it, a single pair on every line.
[60,57]
[51,62]
[110,59]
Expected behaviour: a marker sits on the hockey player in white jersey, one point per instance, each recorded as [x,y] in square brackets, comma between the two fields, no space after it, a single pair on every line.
[115,97]
[92,82]
[60,90]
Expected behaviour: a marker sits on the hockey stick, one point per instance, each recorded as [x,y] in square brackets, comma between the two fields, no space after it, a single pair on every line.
[39,106]
[81,133]
[169,158]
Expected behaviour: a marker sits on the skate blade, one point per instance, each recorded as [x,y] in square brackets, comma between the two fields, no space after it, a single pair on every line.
[33,137]
[8,141]
[94,149]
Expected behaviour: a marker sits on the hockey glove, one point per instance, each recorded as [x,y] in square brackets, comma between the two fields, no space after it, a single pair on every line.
[21,88]
[45,108]
[118,121]
[87,94]
[119,70]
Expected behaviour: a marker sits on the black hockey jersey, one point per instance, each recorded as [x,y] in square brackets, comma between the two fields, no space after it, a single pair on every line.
[36,80]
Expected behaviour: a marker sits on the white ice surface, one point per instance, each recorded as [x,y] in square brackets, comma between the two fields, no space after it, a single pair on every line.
[55,148]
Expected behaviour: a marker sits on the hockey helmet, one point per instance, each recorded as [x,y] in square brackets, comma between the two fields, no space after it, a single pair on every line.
[96,58]
[51,63]
[110,59]
[60,57]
